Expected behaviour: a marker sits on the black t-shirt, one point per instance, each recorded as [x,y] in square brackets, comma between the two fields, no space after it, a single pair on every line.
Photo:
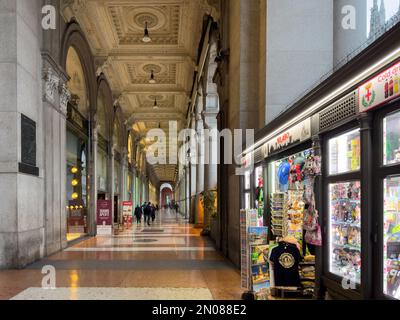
[286,258]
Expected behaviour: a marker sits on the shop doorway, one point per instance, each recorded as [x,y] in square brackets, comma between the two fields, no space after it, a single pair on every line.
[116,209]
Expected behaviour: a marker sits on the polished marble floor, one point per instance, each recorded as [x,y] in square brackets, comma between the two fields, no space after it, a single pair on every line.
[168,260]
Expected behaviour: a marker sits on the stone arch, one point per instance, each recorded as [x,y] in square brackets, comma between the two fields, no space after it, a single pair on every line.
[74,38]
[104,107]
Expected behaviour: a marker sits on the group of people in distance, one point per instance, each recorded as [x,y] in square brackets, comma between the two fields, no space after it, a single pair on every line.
[148,211]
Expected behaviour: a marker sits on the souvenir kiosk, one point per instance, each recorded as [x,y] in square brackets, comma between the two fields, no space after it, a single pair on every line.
[355,128]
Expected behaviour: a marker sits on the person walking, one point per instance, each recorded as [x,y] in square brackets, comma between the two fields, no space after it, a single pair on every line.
[147,214]
[153,213]
[138,214]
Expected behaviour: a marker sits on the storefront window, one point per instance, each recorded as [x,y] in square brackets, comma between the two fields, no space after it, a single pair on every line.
[76,187]
[391,139]
[391,252]
[344,153]
[345,230]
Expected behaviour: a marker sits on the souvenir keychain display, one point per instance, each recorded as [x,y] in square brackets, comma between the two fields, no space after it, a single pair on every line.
[346,229]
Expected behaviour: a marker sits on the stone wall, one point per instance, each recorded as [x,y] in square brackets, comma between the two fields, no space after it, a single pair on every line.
[22,228]
[299,49]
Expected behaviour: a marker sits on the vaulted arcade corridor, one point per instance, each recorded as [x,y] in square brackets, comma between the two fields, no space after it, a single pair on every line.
[169,260]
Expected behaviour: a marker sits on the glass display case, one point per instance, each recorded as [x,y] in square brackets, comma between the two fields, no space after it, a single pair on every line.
[391,258]
[344,153]
[345,230]
[344,206]
[391,139]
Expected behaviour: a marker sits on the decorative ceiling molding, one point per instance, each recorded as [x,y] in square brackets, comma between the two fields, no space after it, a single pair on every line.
[115,28]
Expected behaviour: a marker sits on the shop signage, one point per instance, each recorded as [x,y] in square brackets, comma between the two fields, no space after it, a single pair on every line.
[299,133]
[127,208]
[381,89]
[104,217]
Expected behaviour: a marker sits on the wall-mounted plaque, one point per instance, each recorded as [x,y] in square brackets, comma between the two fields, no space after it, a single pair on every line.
[28,146]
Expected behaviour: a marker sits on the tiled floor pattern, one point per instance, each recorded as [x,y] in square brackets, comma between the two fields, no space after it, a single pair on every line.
[169,260]
[115,294]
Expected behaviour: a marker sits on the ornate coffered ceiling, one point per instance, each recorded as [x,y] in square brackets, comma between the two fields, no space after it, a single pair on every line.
[115,28]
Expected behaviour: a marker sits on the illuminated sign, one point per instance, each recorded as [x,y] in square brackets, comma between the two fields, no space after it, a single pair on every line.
[381,89]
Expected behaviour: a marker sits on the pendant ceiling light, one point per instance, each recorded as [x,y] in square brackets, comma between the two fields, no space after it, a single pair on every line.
[155,104]
[152,78]
[146,37]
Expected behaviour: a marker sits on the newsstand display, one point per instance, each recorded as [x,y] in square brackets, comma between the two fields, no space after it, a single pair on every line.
[294,223]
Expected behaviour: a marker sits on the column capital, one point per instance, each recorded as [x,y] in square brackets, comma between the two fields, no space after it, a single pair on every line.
[65,97]
[51,83]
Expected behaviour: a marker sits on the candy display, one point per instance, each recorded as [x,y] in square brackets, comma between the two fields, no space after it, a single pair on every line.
[392,237]
[345,230]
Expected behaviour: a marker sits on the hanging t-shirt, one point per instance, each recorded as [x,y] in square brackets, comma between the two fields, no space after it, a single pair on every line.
[286,258]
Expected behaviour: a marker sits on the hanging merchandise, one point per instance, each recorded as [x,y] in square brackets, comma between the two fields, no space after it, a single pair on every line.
[294,223]
[311,169]
[285,259]
[260,196]
[283,175]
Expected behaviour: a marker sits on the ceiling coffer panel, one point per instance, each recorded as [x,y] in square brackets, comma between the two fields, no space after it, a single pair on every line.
[164,73]
[129,21]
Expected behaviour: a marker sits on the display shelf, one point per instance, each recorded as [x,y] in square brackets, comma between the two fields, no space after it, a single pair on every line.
[259,264]
[347,246]
[260,281]
[348,224]
[307,263]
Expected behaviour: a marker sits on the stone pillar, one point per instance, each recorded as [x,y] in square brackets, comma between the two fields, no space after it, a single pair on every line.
[112,181]
[240,103]
[92,219]
[193,175]
[199,217]
[211,166]
[55,100]
[133,187]
[122,184]
[23,222]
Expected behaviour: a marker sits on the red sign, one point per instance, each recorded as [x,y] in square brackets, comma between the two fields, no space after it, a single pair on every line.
[381,89]
[104,213]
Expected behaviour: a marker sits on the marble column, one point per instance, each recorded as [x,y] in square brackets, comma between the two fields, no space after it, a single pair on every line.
[193,175]
[122,184]
[92,219]
[211,164]
[199,217]
[112,181]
